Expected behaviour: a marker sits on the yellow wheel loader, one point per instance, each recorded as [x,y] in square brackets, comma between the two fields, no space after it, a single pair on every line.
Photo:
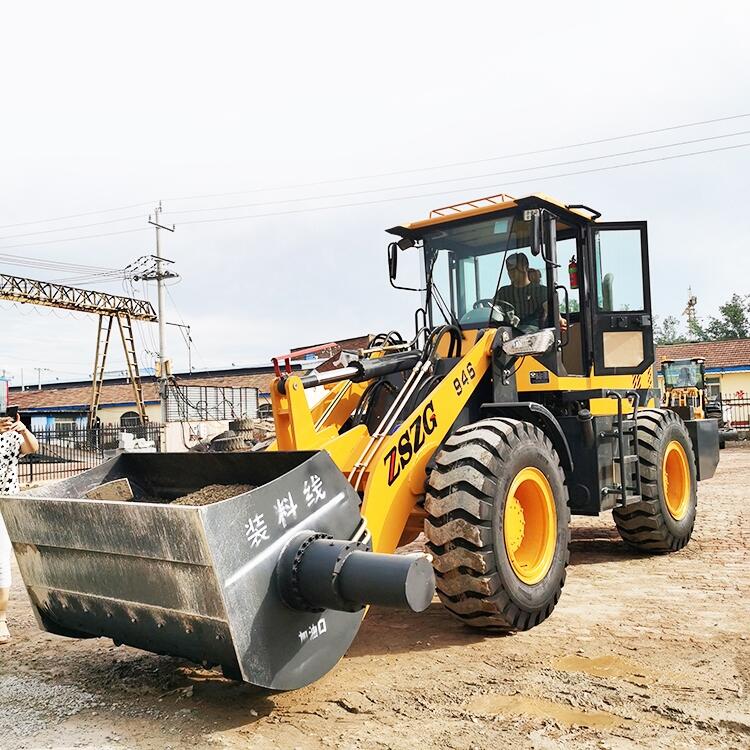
[685,392]
[524,395]
[684,383]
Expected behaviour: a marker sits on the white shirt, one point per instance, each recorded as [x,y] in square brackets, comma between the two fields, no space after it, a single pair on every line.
[10,450]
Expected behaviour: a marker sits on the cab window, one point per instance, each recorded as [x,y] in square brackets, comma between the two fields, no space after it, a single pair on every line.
[478,271]
[619,283]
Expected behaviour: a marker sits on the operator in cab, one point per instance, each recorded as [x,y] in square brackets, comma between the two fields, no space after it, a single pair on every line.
[528,300]
[684,380]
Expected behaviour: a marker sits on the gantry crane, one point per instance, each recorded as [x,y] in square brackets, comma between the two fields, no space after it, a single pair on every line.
[109,308]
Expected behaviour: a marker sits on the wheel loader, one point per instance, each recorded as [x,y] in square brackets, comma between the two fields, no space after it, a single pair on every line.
[685,392]
[525,394]
[684,387]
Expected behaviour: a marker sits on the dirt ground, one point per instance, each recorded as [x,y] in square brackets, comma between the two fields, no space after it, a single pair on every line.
[641,652]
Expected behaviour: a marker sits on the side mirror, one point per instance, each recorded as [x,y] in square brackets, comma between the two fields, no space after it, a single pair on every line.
[535,242]
[392,260]
[403,244]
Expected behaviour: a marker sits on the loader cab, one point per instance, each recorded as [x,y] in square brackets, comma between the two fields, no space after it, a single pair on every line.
[683,373]
[684,387]
[533,264]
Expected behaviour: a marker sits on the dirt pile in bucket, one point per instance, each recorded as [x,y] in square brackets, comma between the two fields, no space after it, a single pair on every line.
[213,493]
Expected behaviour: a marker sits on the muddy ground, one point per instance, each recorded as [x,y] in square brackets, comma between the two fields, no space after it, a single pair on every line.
[642,652]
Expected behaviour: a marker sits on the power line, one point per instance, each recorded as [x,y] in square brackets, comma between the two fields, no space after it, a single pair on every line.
[71,280]
[469,177]
[99,279]
[75,216]
[451,165]
[415,170]
[481,187]
[50,265]
[70,229]
[62,263]
[393,173]
[189,341]
[73,239]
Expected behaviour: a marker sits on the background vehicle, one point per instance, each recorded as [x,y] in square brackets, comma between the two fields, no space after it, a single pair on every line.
[685,387]
[685,393]
[521,399]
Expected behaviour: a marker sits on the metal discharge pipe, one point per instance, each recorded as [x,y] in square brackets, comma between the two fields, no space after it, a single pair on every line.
[317,573]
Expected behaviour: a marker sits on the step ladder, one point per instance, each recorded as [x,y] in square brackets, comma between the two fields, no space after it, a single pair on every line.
[131,359]
[625,433]
[103,338]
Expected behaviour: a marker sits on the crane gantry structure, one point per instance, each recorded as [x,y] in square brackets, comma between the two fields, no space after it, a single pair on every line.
[109,308]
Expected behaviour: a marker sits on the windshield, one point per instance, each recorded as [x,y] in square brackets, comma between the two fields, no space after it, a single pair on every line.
[485,274]
[682,374]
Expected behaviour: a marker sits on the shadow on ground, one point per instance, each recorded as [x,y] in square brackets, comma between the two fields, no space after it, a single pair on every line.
[595,545]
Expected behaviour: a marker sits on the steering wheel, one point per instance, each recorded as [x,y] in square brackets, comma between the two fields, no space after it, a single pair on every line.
[500,305]
[489,302]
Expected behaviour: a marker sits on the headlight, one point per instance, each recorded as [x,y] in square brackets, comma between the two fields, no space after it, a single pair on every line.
[530,343]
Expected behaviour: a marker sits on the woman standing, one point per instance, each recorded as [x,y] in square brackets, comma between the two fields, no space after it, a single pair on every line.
[15,440]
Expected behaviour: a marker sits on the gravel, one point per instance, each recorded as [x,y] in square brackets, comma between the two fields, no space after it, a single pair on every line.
[29,705]
[213,494]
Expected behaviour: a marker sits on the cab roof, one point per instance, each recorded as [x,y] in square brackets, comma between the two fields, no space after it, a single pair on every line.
[494,204]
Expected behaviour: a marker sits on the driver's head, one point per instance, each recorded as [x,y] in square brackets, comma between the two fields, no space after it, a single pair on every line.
[518,269]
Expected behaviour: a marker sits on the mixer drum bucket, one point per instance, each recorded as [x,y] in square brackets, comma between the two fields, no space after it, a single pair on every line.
[189,581]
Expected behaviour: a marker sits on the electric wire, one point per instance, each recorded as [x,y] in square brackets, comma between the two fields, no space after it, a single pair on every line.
[519,170]
[51,264]
[99,279]
[354,204]
[187,337]
[74,239]
[451,165]
[416,170]
[75,216]
[70,229]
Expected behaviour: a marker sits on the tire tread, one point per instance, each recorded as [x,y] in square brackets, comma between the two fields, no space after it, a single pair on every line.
[459,501]
[642,524]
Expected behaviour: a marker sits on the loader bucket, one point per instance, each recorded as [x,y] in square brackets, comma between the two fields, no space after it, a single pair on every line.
[199,582]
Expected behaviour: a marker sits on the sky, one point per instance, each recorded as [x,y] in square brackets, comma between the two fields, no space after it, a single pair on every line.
[322,124]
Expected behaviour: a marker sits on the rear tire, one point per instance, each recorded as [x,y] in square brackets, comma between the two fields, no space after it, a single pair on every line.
[498,524]
[241,425]
[663,520]
[228,445]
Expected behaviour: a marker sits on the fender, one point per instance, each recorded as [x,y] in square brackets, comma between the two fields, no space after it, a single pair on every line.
[542,417]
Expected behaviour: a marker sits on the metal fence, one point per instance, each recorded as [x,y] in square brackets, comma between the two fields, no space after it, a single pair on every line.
[68,450]
[197,403]
[736,411]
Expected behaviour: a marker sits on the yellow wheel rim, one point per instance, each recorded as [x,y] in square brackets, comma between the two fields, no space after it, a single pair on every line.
[530,525]
[675,473]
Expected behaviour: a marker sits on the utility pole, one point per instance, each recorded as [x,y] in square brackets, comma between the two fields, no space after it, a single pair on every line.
[39,371]
[188,341]
[160,275]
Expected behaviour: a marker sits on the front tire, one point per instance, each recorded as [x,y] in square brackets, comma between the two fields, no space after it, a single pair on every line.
[663,520]
[498,524]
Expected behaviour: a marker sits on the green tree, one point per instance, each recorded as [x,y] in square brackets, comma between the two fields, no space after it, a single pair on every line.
[733,321]
[696,331]
[667,332]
